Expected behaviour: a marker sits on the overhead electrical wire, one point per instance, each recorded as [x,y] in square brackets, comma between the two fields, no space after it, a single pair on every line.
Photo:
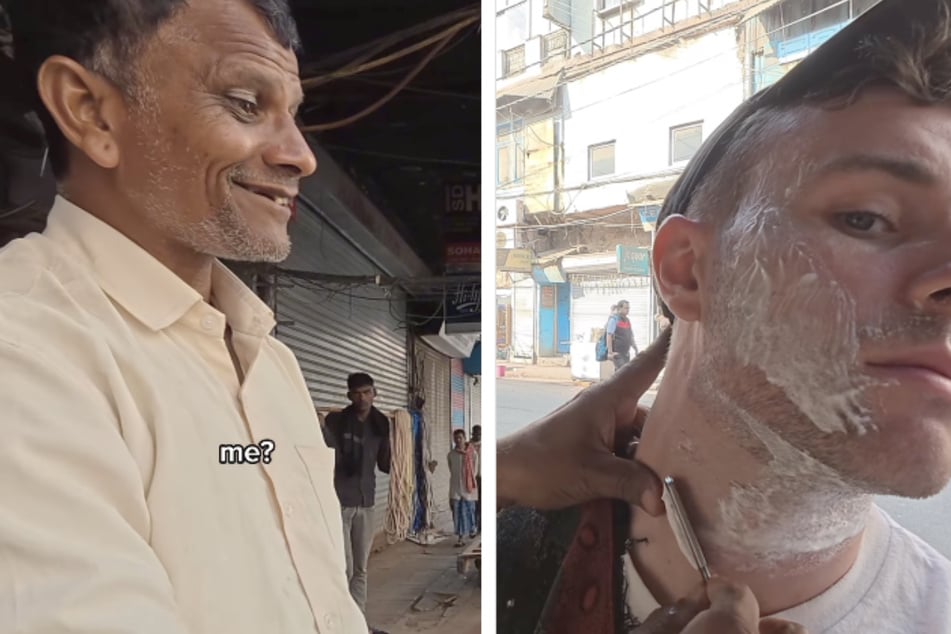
[402,157]
[356,55]
[441,44]
[348,71]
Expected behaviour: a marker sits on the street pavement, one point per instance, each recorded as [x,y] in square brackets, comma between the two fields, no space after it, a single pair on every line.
[519,402]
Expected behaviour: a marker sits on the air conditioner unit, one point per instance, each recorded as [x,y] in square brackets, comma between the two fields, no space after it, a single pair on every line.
[511,212]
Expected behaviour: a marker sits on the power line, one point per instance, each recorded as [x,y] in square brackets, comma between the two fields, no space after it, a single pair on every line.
[402,157]
[424,91]
[357,55]
[333,125]
[442,36]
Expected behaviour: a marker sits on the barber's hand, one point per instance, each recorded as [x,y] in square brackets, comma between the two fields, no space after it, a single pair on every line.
[567,458]
[719,607]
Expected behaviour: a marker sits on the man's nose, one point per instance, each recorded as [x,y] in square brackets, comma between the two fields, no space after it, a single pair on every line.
[289,150]
[931,291]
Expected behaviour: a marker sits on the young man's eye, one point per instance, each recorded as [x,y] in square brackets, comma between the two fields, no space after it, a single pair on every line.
[865,222]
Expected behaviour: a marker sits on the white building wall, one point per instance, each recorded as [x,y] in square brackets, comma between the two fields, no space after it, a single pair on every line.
[635,103]
[520,23]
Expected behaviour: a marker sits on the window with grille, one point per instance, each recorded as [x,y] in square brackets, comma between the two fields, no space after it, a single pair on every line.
[685,140]
[513,61]
[555,45]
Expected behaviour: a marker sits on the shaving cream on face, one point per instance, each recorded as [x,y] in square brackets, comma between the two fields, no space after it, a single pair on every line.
[798,514]
[782,314]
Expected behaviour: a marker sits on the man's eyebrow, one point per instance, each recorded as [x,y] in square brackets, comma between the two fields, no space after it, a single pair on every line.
[263,81]
[904,169]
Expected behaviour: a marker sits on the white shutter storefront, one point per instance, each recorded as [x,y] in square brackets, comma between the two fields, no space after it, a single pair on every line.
[591,299]
[523,319]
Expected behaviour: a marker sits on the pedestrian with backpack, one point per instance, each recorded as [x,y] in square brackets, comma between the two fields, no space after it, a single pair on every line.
[619,335]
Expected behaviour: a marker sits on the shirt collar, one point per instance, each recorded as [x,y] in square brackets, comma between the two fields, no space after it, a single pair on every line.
[142,285]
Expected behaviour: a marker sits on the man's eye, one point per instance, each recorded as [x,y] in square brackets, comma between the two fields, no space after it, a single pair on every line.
[866,222]
[246,107]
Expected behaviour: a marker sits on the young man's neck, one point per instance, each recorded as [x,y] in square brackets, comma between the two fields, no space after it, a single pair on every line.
[781,523]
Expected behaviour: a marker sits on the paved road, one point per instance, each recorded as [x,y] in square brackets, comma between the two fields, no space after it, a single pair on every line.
[521,402]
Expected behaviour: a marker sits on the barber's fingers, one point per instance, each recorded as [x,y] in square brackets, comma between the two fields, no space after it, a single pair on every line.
[719,607]
[674,618]
[733,609]
[608,476]
[636,377]
[779,626]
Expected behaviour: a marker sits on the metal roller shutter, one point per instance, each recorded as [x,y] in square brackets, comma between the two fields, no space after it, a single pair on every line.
[335,333]
[436,376]
[523,319]
[591,300]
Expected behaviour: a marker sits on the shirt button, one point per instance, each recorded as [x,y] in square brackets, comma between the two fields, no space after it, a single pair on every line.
[289,510]
[332,621]
[208,322]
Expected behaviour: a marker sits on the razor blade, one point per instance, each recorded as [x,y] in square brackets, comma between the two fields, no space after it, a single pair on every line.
[686,528]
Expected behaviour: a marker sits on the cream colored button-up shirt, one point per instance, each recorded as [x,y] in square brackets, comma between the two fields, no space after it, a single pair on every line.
[116,392]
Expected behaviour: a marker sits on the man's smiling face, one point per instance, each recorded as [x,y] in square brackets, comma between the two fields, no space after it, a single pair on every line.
[213,153]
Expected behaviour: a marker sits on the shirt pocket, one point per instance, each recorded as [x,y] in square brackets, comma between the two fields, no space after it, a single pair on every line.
[319,463]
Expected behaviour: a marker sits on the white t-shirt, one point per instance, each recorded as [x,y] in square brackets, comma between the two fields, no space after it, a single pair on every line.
[898,585]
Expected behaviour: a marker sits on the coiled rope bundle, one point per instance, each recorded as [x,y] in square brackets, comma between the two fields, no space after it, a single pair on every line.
[399,508]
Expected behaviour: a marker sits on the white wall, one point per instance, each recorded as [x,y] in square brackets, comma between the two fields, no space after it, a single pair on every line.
[520,22]
[635,103]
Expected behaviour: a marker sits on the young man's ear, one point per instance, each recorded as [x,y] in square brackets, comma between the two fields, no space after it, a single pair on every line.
[677,259]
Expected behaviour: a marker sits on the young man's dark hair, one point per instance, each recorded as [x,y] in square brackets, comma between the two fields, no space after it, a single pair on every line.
[105,36]
[359,379]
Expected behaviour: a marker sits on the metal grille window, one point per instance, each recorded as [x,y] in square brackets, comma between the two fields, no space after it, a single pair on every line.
[601,160]
[555,45]
[513,61]
[685,140]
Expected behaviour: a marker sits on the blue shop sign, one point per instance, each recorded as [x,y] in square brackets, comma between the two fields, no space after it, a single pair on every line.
[633,261]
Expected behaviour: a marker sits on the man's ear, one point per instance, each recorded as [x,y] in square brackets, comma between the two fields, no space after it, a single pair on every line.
[86,107]
[677,259]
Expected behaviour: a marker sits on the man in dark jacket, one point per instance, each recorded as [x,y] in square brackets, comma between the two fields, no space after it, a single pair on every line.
[360,436]
[620,335]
